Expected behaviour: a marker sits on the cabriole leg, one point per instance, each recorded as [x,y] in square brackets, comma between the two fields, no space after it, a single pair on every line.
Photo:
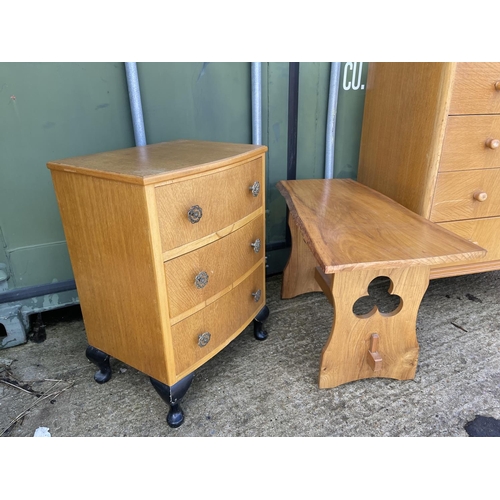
[172,395]
[101,360]
[258,326]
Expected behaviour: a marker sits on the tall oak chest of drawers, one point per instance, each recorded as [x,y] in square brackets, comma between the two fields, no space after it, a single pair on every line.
[167,246]
[431,141]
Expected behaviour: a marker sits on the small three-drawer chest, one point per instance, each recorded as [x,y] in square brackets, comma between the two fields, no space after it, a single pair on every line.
[431,141]
[167,245]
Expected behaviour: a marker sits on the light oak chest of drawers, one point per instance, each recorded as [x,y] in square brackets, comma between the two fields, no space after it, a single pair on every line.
[167,246]
[431,141]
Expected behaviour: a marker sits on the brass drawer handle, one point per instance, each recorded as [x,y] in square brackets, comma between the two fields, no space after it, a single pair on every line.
[256,295]
[255,188]
[256,245]
[492,143]
[497,85]
[195,213]
[480,196]
[201,280]
[204,339]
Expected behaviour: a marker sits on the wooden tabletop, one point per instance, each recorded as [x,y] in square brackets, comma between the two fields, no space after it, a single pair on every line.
[349,226]
[158,162]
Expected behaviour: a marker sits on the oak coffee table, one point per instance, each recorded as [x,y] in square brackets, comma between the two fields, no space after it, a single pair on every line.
[345,235]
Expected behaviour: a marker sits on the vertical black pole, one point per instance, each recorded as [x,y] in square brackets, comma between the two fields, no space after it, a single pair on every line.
[293,118]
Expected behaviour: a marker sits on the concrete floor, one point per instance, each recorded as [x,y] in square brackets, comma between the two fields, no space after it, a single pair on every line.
[270,388]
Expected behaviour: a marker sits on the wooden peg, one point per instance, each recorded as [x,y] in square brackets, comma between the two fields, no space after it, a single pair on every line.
[480,196]
[492,143]
[374,358]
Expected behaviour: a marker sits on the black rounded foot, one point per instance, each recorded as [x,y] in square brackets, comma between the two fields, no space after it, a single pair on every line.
[258,328]
[101,360]
[172,395]
[258,332]
[175,416]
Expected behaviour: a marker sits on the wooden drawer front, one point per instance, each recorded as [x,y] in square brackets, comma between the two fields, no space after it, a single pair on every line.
[223,320]
[223,197]
[471,142]
[454,198]
[223,261]
[474,89]
[483,232]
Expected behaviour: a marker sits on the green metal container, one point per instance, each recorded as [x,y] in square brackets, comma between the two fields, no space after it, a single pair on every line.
[54,110]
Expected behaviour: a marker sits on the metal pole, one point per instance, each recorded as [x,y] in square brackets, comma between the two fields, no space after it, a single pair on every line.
[134,94]
[257,103]
[331,120]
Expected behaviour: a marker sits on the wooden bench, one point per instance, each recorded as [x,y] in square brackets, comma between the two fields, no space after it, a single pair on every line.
[344,235]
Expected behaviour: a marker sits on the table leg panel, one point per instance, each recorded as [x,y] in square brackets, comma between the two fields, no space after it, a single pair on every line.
[347,354]
[298,275]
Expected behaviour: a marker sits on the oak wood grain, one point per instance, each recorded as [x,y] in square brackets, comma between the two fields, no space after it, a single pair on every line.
[210,238]
[403,147]
[346,355]
[472,267]
[298,275]
[107,228]
[458,195]
[114,220]
[474,90]
[465,143]
[223,262]
[486,233]
[349,226]
[158,162]
[224,319]
[200,305]
[224,198]
[356,235]
[404,120]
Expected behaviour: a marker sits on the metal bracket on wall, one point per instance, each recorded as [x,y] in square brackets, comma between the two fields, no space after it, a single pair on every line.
[14,318]
[12,329]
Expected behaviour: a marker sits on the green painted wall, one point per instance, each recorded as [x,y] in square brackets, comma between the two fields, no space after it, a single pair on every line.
[50,111]
[55,110]
[201,101]
[314,83]
[349,118]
